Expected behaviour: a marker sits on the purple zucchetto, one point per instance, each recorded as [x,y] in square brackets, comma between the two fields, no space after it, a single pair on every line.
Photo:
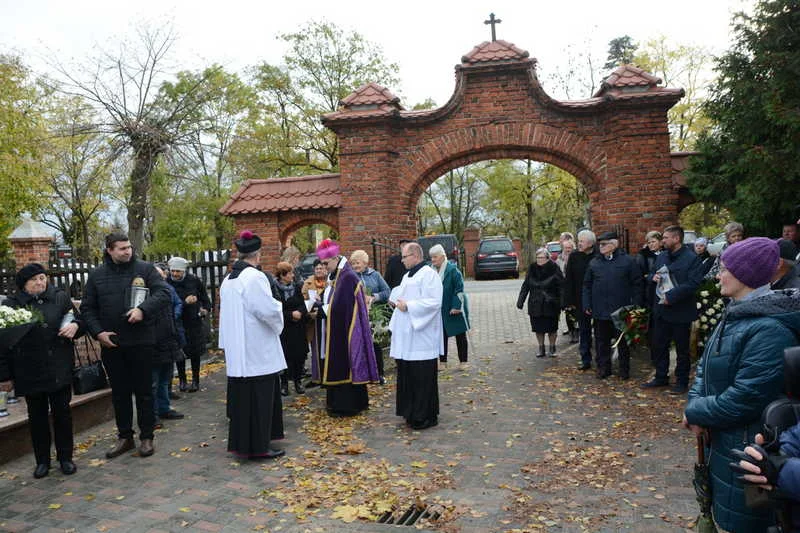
[327,248]
[752,261]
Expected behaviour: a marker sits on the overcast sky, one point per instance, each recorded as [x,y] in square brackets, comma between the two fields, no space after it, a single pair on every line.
[425,38]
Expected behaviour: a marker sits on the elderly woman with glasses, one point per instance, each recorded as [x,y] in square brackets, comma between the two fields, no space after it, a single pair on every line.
[455,314]
[377,292]
[542,288]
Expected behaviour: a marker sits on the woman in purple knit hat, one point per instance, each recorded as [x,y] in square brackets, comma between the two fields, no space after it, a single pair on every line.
[741,372]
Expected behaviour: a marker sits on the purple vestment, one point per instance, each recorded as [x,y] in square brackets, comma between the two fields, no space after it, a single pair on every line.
[349,354]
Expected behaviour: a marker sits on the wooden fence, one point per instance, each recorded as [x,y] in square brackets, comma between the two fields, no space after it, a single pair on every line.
[71,274]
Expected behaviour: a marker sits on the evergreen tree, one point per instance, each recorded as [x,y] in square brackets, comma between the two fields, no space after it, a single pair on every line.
[749,160]
[620,52]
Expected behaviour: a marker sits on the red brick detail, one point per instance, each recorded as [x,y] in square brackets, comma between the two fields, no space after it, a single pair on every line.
[471,240]
[31,250]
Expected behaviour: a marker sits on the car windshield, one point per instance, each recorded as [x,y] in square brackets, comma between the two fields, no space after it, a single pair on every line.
[492,247]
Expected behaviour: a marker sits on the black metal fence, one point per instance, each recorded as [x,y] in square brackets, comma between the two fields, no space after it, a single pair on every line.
[381,253]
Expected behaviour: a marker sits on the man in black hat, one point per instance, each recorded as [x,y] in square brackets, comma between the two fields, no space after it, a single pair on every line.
[122,299]
[613,280]
[250,324]
[674,310]
[787,275]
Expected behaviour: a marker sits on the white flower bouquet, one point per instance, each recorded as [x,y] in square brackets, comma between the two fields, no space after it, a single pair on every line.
[709,309]
[15,324]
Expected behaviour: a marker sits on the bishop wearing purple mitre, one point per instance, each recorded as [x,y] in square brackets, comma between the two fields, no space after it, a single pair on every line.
[343,358]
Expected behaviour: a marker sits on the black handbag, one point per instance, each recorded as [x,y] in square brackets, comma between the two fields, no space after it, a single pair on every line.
[91,376]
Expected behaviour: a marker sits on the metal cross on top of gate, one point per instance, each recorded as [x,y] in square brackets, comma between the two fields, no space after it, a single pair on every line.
[492,21]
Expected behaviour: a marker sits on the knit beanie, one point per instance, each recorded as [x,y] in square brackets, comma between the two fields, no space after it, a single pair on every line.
[177,263]
[752,261]
[27,272]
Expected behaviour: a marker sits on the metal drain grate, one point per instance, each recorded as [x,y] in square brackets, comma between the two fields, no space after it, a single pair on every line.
[410,516]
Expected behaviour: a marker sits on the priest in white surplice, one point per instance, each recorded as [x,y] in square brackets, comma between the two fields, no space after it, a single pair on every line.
[416,327]
[250,324]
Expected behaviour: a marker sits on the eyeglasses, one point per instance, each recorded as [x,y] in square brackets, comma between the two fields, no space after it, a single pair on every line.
[407,255]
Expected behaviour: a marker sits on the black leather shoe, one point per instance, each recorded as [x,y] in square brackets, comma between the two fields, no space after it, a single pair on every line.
[542,352]
[285,389]
[654,383]
[382,380]
[172,414]
[679,390]
[298,387]
[194,387]
[146,448]
[68,467]
[183,386]
[123,445]
[425,424]
[41,470]
[271,454]
[603,375]
[585,366]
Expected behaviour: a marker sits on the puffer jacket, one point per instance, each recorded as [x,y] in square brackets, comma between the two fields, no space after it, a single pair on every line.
[740,373]
[686,271]
[169,331]
[42,361]
[104,301]
[611,284]
[544,283]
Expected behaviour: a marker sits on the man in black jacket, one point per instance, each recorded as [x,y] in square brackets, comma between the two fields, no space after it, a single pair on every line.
[674,310]
[574,273]
[120,302]
[613,280]
[394,267]
[196,306]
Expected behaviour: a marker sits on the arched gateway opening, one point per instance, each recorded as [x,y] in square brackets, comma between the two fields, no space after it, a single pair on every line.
[616,143]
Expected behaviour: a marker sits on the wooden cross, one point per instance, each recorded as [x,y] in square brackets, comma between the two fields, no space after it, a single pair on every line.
[492,21]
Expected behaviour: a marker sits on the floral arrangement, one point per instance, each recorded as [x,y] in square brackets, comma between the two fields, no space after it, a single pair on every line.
[710,306]
[10,317]
[15,324]
[379,315]
[633,322]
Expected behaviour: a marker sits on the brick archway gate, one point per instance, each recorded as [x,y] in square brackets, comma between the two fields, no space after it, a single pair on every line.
[616,143]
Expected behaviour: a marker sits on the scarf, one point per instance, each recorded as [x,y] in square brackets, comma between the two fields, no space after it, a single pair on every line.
[287,289]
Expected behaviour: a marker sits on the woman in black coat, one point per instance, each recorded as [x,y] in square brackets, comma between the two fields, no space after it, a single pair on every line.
[293,336]
[542,287]
[40,366]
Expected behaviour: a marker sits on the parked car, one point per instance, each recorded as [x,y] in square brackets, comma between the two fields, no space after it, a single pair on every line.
[448,242]
[307,265]
[689,236]
[496,255]
[716,243]
[554,247]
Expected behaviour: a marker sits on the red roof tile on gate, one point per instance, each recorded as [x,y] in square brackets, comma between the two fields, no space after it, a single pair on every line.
[370,94]
[320,191]
[630,81]
[498,50]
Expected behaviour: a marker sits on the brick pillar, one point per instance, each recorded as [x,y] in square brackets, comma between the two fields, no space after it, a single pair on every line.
[31,242]
[518,248]
[471,241]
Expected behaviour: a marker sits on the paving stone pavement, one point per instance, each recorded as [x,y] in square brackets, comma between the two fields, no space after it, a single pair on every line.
[525,444]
